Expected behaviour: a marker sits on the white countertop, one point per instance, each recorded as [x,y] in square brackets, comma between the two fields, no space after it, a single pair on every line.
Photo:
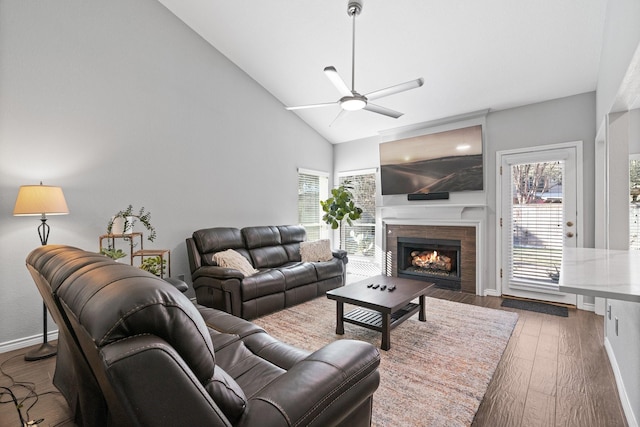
[601,273]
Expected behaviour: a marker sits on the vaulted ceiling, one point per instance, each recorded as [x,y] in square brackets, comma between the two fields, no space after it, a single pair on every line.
[473,55]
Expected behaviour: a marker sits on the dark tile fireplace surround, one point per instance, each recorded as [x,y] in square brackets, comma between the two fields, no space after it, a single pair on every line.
[453,265]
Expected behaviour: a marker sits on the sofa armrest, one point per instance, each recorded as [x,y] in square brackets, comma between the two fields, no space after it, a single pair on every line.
[220,273]
[219,288]
[340,254]
[322,389]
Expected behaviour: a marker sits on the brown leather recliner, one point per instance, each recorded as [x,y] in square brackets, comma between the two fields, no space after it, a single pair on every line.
[134,351]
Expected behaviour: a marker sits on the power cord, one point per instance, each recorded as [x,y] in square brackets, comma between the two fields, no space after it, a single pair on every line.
[19,402]
[15,402]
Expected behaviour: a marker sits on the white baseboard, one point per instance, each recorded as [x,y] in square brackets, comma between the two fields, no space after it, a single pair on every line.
[587,307]
[492,293]
[622,391]
[26,342]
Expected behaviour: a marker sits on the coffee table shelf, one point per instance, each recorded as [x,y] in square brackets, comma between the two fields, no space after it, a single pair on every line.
[373,319]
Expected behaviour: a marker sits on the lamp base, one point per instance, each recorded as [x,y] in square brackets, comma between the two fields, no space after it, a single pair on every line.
[45,350]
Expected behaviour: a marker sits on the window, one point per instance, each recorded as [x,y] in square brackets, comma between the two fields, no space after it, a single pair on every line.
[537,218]
[313,186]
[359,239]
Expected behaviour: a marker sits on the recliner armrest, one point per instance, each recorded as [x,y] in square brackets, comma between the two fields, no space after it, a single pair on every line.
[177,283]
[321,389]
[147,402]
[195,260]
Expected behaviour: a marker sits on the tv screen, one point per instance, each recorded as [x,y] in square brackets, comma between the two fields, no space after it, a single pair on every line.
[445,161]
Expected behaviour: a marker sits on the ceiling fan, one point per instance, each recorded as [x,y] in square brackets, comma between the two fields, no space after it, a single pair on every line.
[352,100]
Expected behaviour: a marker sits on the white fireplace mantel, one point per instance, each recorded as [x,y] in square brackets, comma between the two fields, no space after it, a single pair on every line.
[432,211]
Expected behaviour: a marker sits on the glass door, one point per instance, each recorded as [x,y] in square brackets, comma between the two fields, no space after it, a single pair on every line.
[538,220]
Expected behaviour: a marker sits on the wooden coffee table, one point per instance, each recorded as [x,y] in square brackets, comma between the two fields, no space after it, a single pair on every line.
[381,310]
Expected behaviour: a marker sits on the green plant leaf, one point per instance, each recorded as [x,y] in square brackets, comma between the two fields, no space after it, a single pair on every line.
[340,206]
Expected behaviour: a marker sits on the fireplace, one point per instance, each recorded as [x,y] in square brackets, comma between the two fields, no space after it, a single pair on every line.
[432,260]
[465,261]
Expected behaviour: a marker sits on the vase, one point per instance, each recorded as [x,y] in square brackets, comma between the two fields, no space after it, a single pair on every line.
[118,226]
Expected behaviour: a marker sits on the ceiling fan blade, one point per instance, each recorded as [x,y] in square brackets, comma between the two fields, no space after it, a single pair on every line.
[383,110]
[341,114]
[413,84]
[302,107]
[337,81]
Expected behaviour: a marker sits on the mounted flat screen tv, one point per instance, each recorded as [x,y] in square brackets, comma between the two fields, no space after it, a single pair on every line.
[448,161]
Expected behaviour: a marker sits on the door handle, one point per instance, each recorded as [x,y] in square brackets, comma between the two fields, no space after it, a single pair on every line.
[569,234]
[569,224]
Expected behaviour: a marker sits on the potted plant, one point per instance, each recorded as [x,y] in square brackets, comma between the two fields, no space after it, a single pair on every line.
[129,219]
[339,207]
[113,253]
[154,265]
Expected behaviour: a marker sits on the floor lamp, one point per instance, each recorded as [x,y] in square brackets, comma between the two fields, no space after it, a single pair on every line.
[41,200]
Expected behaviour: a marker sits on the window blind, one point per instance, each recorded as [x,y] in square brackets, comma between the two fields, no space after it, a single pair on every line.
[536,222]
[312,187]
[359,239]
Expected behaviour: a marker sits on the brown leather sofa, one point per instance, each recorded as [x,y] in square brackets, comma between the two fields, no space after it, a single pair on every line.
[134,351]
[282,281]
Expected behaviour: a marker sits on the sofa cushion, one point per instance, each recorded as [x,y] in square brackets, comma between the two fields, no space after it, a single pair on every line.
[233,259]
[329,269]
[258,237]
[291,236]
[249,370]
[217,239]
[292,233]
[316,251]
[293,252]
[263,283]
[227,394]
[270,256]
[212,240]
[298,274]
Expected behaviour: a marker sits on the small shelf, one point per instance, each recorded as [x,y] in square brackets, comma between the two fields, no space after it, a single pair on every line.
[130,236]
[142,253]
[371,319]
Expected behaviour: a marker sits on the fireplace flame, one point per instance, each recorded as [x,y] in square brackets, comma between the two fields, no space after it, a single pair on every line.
[431,260]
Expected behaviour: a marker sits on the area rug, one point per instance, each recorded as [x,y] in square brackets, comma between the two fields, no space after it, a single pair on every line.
[436,372]
[539,307]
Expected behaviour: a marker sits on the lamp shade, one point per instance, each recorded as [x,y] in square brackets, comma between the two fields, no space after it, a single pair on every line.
[39,200]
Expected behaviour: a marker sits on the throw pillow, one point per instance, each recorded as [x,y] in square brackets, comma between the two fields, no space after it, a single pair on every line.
[319,250]
[232,259]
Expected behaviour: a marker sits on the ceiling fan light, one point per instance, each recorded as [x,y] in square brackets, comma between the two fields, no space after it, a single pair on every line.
[353,104]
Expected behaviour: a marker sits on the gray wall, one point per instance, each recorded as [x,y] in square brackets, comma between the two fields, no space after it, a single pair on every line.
[621,39]
[556,121]
[119,102]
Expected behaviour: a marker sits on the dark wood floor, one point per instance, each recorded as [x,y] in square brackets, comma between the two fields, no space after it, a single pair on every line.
[554,372]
